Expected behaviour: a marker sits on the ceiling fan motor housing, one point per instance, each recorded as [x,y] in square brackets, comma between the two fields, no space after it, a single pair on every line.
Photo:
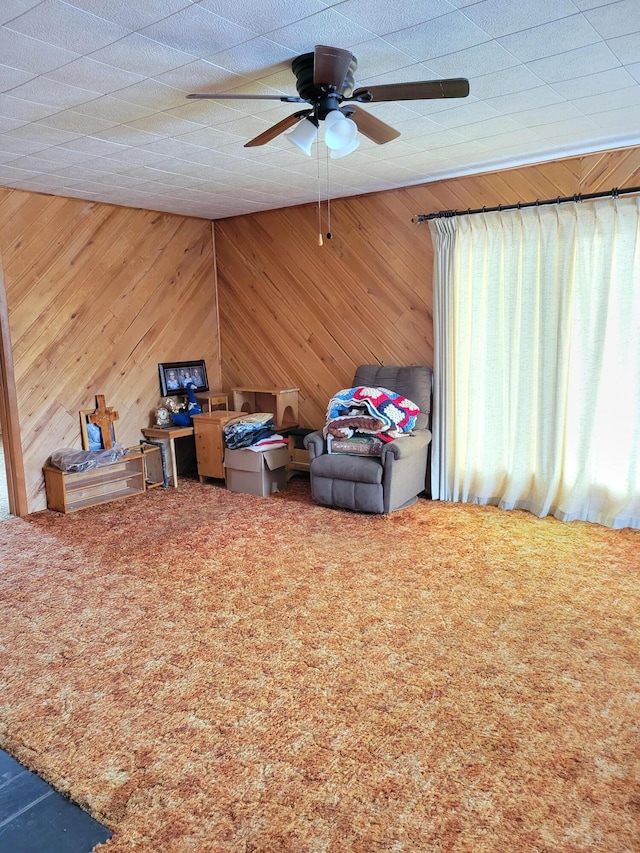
[326,98]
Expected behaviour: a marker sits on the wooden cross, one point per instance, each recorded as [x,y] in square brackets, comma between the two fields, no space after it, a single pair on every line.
[103,417]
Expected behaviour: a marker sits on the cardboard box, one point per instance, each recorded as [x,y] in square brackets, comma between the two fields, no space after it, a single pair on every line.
[260,473]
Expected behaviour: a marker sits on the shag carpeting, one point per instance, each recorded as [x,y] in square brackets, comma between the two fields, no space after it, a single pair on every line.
[209,672]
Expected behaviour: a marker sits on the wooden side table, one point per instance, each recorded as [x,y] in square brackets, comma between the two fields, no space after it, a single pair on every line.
[209,442]
[282,402]
[213,398]
[167,436]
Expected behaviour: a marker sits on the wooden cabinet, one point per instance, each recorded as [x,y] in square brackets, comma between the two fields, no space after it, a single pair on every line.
[69,491]
[209,442]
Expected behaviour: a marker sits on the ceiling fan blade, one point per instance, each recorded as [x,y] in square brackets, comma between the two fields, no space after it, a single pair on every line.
[330,66]
[457,87]
[277,129]
[376,130]
[287,99]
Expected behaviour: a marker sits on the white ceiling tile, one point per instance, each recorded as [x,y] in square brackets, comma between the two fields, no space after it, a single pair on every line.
[485,58]
[52,93]
[7,124]
[64,26]
[392,112]
[543,115]
[418,128]
[442,138]
[468,113]
[151,95]
[28,54]
[200,76]
[615,19]
[63,155]
[500,17]
[520,138]
[574,63]
[74,121]
[468,147]
[97,75]
[450,33]
[626,48]
[260,17]
[634,70]
[12,177]
[490,127]
[165,125]
[94,146]
[196,31]
[379,57]
[563,127]
[140,156]
[33,162]
[383,18]
[551,39]
[590,4]
[505,82]
[112,109]
[141,55]
[22,110]
[19,147]
[208,113]
[40,133]
[328,27]
[513,103]
[259,56]
[629,98]
[595,84]
[125,135]
[172,148]
[128,14]
[211,137]
[12,77]
[618,121]
[13,8]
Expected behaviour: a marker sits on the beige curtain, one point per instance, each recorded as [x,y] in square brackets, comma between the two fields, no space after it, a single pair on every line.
[537,334]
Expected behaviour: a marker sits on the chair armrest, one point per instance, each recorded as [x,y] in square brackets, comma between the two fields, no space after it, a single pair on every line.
[406,446]
[315,444]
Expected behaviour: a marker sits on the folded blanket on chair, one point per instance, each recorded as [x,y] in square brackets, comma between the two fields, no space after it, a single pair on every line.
[372,411]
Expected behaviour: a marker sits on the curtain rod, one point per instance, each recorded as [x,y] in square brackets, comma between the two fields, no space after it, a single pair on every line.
[442,214]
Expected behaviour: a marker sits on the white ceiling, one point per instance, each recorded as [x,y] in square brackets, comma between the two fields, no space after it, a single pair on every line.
[93,106]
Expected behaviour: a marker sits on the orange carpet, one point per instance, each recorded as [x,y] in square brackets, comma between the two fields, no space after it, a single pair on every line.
[209,672]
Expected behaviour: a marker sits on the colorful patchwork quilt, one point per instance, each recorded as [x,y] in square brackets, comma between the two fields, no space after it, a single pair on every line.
[371,411]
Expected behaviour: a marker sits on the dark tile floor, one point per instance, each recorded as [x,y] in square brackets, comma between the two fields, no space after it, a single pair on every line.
[35,818]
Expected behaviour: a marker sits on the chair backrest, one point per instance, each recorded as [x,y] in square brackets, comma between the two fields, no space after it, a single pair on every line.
[412,382]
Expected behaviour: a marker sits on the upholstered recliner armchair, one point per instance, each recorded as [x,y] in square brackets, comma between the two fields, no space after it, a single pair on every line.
[383,483]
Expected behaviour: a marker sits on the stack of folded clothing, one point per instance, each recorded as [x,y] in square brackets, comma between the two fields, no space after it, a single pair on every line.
[254,432]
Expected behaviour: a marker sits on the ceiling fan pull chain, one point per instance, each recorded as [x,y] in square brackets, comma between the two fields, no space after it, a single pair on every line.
[329,234]
[320,240]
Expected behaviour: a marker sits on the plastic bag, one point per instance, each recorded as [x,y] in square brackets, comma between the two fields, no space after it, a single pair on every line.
[70,459]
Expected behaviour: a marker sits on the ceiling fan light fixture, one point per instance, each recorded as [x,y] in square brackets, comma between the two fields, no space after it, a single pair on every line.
[339,131]
[336,153]
[304,134]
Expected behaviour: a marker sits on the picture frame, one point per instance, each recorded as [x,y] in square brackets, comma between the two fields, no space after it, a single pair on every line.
[174,376]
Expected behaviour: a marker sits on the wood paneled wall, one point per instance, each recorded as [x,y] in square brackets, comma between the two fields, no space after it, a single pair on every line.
[97,296]
[293,313]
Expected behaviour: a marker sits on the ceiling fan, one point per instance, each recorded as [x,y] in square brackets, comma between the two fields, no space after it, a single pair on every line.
[324,80]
